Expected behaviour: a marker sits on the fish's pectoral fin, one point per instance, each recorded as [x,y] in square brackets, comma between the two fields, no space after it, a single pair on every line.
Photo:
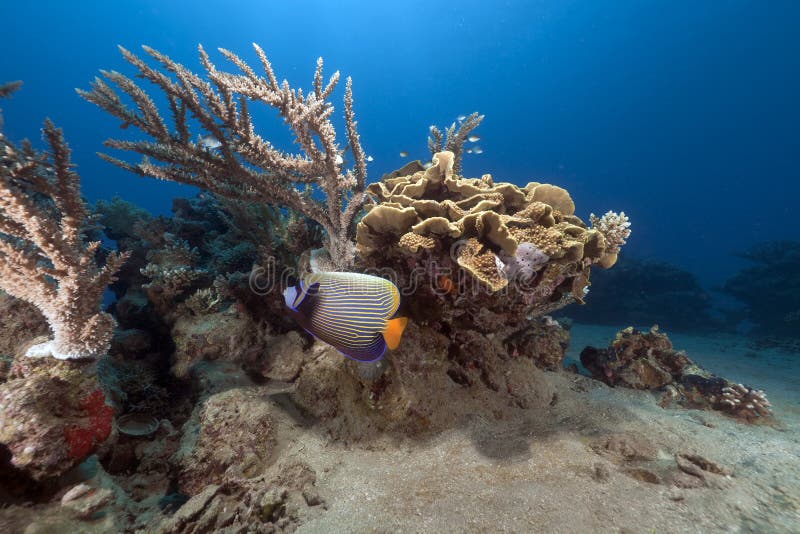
[394,331]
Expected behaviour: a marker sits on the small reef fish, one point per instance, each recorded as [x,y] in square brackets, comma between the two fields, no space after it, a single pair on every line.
[403,154]
[339,159]
[477,150]
[352,312]
[461,118]
[370,158]
[208,142]
[473,138]
[469,151]
[446,284]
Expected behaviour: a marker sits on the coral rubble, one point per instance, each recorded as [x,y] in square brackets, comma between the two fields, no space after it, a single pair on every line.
[647,360]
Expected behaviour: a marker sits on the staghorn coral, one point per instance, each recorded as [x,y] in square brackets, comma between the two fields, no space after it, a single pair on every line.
[9,87]
[235,162]
[44,258]
[453,139]
[514,250]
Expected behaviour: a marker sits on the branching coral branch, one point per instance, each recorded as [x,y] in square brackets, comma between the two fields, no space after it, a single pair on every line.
[231,159]
[615,227]
[454,138]
[9,87]
[43,257]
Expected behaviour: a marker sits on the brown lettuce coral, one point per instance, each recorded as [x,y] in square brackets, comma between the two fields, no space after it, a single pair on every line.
[523,242]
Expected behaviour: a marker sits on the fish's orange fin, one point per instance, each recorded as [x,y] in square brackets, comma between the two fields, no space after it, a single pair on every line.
[394,331]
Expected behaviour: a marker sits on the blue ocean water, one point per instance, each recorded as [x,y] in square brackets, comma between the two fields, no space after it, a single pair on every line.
[682,114]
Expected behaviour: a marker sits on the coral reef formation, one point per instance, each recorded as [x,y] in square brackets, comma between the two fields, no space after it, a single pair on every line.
[468,247]
[253,331]
[770,288]
[42,217]
[477,374]
[642,292]
[229,158]
[647,360]
[206,380]
[47,263]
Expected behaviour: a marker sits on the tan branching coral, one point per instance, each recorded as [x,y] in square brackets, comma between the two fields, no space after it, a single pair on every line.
[229,158]
[453,138]
[9,87]
[44,259]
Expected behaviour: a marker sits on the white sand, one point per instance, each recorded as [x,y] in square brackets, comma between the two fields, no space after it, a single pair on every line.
[536,474]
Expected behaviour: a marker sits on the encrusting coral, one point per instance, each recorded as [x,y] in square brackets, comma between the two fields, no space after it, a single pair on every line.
[44,258]
[230,159]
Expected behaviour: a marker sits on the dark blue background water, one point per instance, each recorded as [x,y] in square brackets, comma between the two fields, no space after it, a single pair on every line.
[683,114]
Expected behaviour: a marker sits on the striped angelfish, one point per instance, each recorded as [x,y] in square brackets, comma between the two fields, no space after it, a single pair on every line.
[352,312]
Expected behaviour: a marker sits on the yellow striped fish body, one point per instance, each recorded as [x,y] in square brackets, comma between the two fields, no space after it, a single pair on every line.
[351,311]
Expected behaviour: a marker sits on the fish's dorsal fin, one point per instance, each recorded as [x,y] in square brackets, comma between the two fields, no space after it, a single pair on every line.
[393,331]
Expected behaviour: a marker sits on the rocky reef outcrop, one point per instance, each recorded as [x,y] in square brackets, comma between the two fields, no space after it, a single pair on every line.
[53,415]
[770,290]
[469,247]
[647,361]
[642,292]
[431,383]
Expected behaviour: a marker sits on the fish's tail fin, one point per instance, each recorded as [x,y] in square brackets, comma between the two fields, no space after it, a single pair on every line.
[394,331]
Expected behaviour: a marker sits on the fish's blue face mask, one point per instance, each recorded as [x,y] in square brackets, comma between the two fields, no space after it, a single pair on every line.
[290,296]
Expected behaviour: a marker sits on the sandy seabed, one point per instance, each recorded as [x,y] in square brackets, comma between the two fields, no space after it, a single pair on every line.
[599,460]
